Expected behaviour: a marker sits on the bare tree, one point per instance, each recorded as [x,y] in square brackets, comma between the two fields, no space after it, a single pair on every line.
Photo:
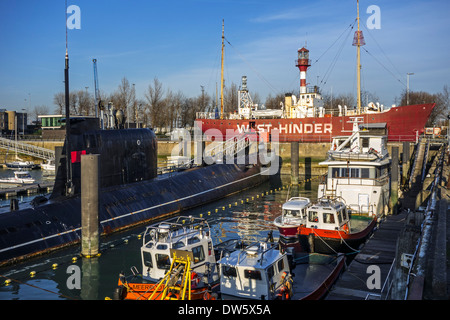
[59,99]
[274,102]
[155,105]
[331,103]
[37,111]
[441,99]
[230,103]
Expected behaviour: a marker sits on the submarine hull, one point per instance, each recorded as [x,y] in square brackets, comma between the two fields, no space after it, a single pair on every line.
[57,224]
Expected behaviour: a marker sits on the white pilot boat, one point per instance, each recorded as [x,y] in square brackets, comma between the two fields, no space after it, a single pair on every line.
[174,252]
[359,171]
[264,271]
[293,215]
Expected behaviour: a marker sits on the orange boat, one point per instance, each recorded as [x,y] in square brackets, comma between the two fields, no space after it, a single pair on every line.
[178,262]
[327,228]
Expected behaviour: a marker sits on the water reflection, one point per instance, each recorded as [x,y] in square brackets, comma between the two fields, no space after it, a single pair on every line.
[247,215]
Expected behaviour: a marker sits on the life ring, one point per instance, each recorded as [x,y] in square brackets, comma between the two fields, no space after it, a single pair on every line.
[345,228]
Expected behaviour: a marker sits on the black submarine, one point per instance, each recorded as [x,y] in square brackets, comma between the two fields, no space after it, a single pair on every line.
[131,191]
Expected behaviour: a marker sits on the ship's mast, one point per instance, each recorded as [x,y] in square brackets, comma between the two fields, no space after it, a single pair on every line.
[358,41]
[221,73]
[69,185]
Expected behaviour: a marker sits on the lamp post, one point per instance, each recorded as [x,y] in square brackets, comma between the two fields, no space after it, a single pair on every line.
[23,122]
[407,86]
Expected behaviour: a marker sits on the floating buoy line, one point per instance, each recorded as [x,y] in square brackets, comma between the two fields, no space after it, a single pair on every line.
[53,266]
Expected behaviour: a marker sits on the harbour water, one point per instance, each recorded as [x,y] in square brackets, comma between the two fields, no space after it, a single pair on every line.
[58,276]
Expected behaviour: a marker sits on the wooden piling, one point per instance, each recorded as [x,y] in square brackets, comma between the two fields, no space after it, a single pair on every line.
[294,162]
[394,180]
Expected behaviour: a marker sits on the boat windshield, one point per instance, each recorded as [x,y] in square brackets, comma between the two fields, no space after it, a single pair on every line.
[291,213]
[23,175]
[328,217]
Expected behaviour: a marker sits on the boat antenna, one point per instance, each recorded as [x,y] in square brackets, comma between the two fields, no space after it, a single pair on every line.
[221,73]
[69,186]
[358,41]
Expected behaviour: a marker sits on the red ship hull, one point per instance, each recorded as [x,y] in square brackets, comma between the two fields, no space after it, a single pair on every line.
[403,123]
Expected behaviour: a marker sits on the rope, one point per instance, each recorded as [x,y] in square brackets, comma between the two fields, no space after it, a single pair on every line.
[347,243]
[314,231]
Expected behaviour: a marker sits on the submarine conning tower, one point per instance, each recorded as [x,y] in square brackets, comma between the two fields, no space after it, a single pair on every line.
[126,155]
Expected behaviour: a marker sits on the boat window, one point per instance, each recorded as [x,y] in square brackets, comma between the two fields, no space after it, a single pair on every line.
[328,217]
[162,261]
[177,245]
[354,172]
[313,216]
[147,259]
[193,240]
[344,214]
[291,213]
[228,271]
[161,246]
[252,274]
[365,142]
[270,272]
[340,216]
[344,172]
[280,265]
[335,172]
[364,172]
[198,253]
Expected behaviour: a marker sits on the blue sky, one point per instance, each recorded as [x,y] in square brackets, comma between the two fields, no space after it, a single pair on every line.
[179,43]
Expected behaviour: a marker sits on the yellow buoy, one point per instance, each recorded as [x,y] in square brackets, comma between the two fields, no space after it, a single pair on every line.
[32,273]
[55,265]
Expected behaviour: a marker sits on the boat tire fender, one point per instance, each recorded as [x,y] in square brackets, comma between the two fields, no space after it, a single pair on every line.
[119,293]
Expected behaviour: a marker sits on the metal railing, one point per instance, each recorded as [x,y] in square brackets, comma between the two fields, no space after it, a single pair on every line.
[28,149]
[387,286]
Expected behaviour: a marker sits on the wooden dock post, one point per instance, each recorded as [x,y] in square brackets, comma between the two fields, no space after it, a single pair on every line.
[294,162]
[394,180]
[89,205]
[405,161]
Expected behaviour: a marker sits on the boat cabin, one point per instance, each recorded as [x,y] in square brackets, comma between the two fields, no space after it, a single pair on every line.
[295,209]
[181,233]
[358,171]
[328,214]
[255,272]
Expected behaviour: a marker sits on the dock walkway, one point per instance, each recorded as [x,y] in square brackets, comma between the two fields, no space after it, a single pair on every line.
[380,251]
[26,189]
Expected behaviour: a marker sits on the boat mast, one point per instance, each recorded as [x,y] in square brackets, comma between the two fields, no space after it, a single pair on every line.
[69,186]
[358,41]
[221,73]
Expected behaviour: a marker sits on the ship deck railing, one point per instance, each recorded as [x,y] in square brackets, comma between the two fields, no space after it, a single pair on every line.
[356,180]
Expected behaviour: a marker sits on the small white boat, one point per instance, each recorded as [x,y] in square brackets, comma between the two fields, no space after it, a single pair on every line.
[29,165]
[49,166]
[266,271]
[293,216]
[20,178]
